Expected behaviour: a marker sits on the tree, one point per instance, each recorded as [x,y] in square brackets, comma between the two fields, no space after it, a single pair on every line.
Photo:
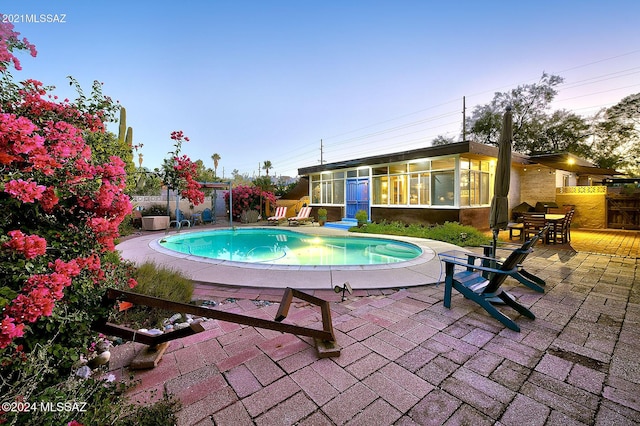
[266,166]
[529,104]
[178,172]
[615,141]
[562,131]
[216,159]
[441,140]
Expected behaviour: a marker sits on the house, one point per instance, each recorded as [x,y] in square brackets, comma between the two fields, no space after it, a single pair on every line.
[432,185]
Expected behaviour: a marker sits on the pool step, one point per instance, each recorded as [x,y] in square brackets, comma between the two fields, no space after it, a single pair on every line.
[345,223]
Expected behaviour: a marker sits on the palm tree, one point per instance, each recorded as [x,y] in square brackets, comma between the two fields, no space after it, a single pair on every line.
[266,166]
[215,157]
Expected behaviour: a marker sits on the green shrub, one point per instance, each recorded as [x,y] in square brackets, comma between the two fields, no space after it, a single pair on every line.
[361,216]
[163,282]
[449,232]
[155,210]
[155,281]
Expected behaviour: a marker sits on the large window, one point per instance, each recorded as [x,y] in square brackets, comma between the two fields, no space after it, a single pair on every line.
[327,188]
[475,182]
[418,183]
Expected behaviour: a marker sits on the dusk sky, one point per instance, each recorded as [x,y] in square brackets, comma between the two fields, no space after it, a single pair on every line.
[267,80]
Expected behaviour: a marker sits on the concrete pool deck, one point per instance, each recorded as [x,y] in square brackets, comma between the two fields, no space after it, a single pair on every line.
[426,269]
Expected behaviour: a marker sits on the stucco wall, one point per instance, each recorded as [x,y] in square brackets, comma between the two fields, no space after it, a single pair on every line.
[590,209]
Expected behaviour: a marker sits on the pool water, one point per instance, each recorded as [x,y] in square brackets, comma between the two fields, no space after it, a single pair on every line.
[283,247]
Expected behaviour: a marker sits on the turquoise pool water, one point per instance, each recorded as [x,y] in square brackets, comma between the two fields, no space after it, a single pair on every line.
[284,247]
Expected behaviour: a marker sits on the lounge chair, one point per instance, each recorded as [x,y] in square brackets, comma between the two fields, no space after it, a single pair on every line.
[527,278]
[482,284]
[302,216]
[280,215]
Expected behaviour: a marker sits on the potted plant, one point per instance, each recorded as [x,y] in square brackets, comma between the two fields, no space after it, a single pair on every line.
[322,216]
[361,217]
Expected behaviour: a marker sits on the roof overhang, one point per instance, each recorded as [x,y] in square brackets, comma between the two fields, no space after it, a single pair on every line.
[473,149]
[571,163]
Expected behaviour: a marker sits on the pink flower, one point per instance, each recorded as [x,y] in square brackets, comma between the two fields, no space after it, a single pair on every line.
[9,331]
[31,246]
[25,191]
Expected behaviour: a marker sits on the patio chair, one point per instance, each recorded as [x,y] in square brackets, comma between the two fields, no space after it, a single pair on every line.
[524,277]
[562,229]
[533,224]
[206,216]
[280,215]
[301,217]
[474,285]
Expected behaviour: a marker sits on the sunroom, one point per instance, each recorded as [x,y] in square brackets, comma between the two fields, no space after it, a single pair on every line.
[431,185]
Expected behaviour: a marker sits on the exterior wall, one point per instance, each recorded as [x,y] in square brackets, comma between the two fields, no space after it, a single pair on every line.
[537,185]
[476,217]
[412,215]
[590,208]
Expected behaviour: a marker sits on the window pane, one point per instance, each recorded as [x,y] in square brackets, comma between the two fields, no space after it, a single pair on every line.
[447,163]
[326,193]
[398,189]
[315,192]
[419,189]
[363,172]
[419,166]
[442,188]
[380,170]
[380,190]
[338,175]
[398,168]
[338,191]
[315,178]
[484,189]
[352,173]
[464,164]
[464,188]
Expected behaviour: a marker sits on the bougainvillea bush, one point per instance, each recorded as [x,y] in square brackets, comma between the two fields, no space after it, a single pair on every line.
[246,198]
[178,171]
[60,215]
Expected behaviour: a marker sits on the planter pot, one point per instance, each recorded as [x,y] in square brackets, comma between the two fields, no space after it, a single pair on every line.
[155,223]
[249,216]
[322,220]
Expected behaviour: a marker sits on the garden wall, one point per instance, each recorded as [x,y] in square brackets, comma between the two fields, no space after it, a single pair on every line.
[590,205]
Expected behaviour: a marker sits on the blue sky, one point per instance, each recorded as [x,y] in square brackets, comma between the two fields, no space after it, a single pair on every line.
[267,80]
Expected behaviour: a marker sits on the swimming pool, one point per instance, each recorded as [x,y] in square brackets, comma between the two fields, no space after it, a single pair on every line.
[284,247]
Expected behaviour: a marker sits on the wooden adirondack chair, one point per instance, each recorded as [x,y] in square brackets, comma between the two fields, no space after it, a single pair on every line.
[485,289]
[524,277]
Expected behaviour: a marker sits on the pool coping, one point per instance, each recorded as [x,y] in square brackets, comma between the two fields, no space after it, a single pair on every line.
[423,270]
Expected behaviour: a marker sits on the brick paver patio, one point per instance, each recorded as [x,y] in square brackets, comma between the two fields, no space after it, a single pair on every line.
[407,360]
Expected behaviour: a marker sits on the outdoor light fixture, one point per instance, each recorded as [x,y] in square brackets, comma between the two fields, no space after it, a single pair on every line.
[345,287]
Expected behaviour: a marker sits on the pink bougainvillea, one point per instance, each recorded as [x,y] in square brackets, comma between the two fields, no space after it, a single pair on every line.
[31,246]
[178,171]
[61,209]
[248,198]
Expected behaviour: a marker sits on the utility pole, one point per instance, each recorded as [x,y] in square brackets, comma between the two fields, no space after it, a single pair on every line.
[464,120]
[321,153]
